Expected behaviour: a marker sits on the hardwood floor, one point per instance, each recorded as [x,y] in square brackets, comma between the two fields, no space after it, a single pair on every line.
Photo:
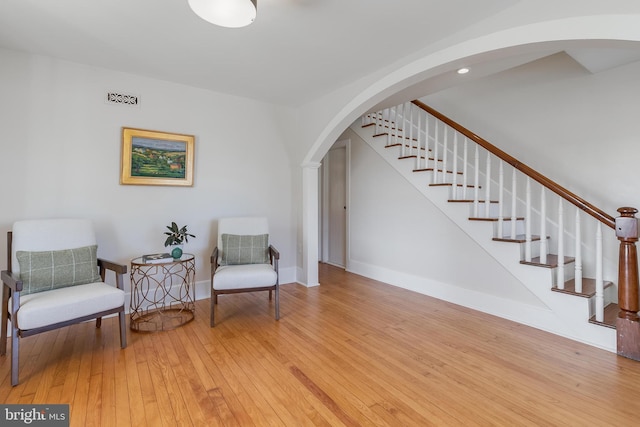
[350,352]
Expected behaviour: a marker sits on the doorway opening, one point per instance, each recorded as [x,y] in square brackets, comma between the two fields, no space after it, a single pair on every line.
[334,205]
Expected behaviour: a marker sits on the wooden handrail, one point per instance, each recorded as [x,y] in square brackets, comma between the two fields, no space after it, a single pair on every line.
[587,207]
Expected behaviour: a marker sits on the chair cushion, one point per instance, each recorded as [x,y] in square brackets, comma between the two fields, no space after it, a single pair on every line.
[237,249]
[60,305]
[45,270]
[244,276]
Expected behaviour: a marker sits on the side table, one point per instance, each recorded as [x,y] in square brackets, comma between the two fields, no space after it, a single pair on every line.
[162,294]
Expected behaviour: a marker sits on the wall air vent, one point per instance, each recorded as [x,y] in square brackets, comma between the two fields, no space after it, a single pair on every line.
[122,99]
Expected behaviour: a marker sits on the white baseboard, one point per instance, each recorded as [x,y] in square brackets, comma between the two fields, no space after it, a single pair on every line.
[288,275]
[300,281]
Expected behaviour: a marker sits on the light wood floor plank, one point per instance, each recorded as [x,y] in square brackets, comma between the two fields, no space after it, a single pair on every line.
[134,390]
[351,352]
[82,407]
[172,405]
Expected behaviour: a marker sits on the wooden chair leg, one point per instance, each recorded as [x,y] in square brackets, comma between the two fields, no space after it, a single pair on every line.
[214,300]
[269,294]
[15,344]
[277,302]
[3,324]
[15,347]
[123,329]
[98,322]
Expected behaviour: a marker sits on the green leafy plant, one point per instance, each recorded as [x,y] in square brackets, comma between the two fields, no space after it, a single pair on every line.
[176,235]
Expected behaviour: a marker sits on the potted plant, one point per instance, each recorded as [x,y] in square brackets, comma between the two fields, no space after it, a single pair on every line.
[176,236]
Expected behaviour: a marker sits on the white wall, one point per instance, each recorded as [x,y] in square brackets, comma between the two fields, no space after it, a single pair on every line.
[61,149]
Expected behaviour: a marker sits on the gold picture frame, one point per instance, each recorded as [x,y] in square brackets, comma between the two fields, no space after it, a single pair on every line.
[156,158]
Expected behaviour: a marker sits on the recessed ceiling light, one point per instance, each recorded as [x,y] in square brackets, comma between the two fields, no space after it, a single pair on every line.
[463,71]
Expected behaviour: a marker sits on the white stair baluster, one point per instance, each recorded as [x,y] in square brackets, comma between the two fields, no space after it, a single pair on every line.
[454,186]
[528,220]
[410,108]
[406,129]
[578,262]
[435,152]
[500,200]
[445,153]
[599,278]
[476,184]
[418,143]
[427,143]
[487,190]
[543,227]
[465,180]
[396,123]
[385,120]
[399,118]
[514,199]
[560,269]
[392,125]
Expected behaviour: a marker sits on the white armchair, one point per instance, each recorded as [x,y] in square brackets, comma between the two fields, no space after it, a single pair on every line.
[54,279]
[243,260]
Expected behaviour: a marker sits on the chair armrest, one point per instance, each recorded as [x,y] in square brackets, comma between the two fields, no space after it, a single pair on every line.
[119,269]
[110,265]
[273,252]
[214,259]
[12,281]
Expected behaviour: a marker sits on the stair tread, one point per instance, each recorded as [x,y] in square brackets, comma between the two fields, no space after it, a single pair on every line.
[413,156]
[494,219]
[470,201]
[400,137]
[552,261]
[519,238]
[449,184]
[610,316]
[588,287]
[386,125]
[429,169]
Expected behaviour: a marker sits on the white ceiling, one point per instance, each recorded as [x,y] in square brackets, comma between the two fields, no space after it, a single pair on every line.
[295,51]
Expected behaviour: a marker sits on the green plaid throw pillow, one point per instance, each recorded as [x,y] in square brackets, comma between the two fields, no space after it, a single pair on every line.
[46,270]
[245,249]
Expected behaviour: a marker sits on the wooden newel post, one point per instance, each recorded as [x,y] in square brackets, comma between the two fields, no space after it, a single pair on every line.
[628,322]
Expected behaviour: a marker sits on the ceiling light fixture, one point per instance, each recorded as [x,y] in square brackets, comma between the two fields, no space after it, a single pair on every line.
[226,13]
[463,71]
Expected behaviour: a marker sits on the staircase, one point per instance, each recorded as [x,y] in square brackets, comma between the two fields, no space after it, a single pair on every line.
[548,238]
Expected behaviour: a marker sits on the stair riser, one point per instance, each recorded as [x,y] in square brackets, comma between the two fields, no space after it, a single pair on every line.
[610,296]
[569,273]
[506,228]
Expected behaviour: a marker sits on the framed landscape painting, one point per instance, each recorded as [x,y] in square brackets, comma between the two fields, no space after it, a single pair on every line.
[156,158]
